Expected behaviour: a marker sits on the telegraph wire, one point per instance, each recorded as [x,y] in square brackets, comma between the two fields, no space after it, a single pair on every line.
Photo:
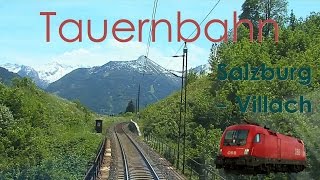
[200,24]
[154,12]
[155,6]
[208,14]
[203,20]
[183,45]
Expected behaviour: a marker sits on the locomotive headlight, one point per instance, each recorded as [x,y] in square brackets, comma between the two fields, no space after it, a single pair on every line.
[246,151]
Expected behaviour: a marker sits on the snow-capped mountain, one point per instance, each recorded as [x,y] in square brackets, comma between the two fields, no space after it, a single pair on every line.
[142,65]
[26,71]
[7,76]
[202,69]
[54,71]
[42,75]
[15,68]
[108,88]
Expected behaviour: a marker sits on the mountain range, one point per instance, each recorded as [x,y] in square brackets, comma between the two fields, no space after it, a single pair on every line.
[109,88]
[42,75]
[6,76]
[202,69]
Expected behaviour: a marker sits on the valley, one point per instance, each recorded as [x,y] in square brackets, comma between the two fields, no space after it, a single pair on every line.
[105,89]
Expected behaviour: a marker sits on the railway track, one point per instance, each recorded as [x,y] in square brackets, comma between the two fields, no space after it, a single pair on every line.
[133,164]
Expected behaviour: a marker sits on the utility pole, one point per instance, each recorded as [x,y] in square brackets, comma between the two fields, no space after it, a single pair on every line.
[141,82]
[183,107]
[180,116]
[185,54]
[138,102]
[136,107]
[139,89]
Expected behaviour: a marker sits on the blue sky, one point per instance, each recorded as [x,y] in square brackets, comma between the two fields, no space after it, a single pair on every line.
[22,29]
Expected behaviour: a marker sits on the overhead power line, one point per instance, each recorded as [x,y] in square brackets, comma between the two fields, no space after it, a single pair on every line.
[154,12]
[208,14]
[211,10]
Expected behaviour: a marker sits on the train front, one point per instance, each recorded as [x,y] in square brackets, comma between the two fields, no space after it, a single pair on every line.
[235,147]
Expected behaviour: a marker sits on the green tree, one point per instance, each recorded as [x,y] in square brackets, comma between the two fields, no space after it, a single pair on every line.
[6,119]
[205,121]
[251,10]
[43,136]
[256,10]
[292,20]
[300,47]
[192,77]
[130,107]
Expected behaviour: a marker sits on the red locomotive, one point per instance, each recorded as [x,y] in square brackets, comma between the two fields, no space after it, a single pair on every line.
[253,149]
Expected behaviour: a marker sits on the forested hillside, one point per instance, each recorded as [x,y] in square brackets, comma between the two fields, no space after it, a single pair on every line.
[298,46]
[107,89]
[43,136]
[6,76]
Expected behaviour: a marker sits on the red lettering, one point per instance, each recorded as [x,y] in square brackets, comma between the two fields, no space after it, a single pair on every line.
[130,29]
[48,14]
[78,24]
[124,25]
[105,30]
[141,23]
[154,25]
[276,29]
[225,26]
[237,24]
[180,24]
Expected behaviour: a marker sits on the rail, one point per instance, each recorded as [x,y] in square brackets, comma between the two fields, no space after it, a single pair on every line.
[153,172]
[94,170]
[124,159]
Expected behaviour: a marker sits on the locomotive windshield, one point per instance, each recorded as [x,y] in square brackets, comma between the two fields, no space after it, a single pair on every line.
[236,137]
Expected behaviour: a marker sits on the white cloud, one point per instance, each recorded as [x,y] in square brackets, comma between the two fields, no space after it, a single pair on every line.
[113,50]
[198,55]
[86,57]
